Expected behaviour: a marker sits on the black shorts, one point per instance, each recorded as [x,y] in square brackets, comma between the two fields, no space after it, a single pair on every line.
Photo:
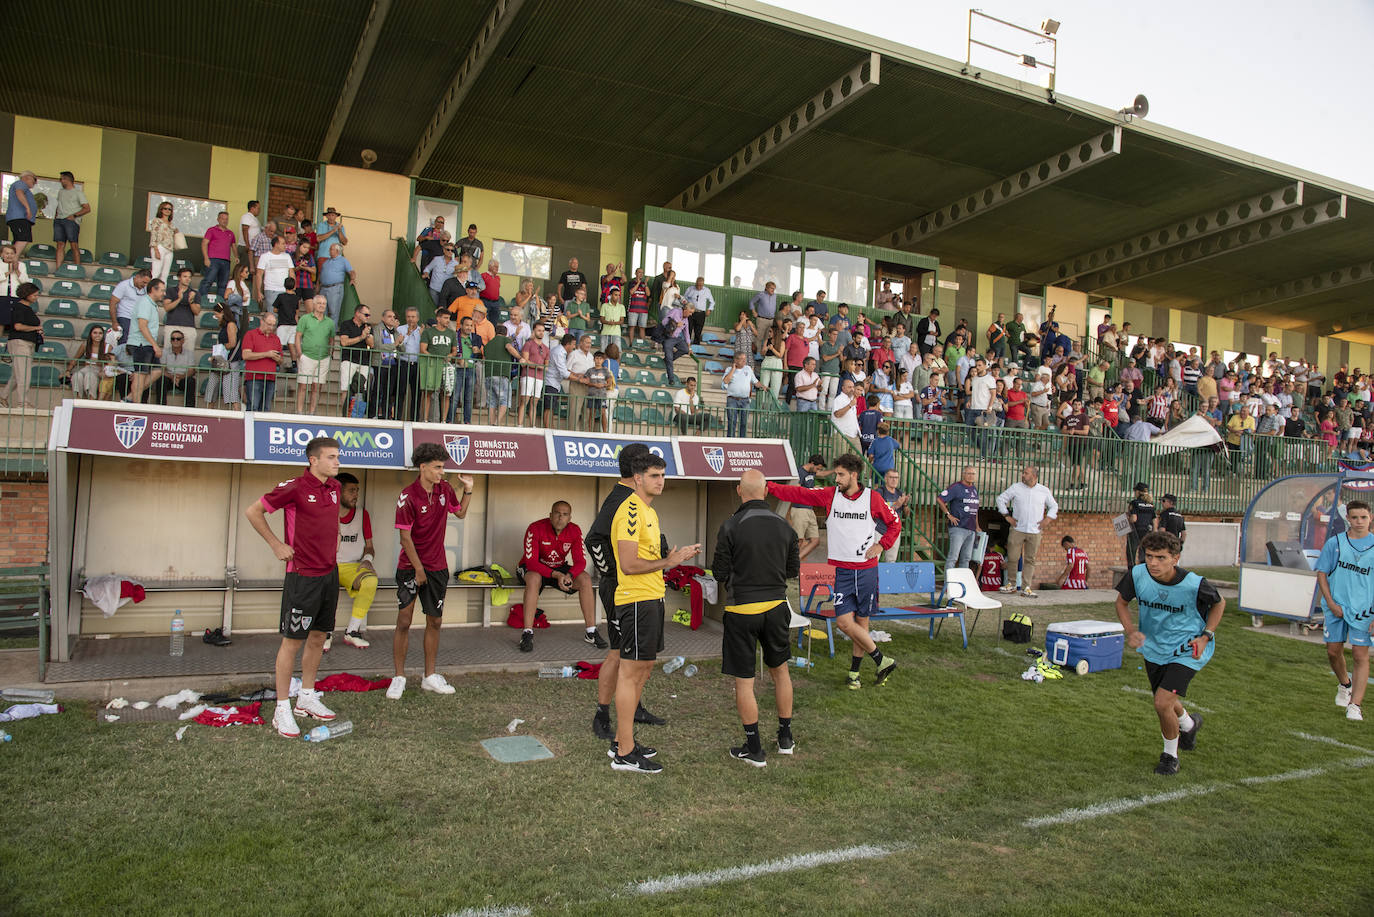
[545,582]
[641,629]
[606,589]
[22,230]
[431,594]
[1172,676]
[744,633]
[308,603]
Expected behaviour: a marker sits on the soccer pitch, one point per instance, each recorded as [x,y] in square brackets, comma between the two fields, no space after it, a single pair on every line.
[957,788]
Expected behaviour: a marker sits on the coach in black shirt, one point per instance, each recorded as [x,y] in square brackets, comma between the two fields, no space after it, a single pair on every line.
[756,554]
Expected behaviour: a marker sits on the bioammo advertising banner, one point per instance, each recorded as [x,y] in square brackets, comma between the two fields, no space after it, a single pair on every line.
[585,453]
[281,438]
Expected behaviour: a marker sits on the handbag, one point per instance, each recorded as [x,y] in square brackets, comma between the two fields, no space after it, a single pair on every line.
[179,240]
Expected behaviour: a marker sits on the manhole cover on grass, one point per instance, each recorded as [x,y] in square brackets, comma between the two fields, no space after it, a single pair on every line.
[511,749]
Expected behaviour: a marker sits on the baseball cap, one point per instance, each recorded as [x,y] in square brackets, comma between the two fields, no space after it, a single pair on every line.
[1171,498]
[1141,485]
[471,285]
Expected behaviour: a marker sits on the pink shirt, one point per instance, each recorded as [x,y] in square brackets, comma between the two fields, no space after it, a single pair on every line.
[219,242]
[797,350]
[538,354]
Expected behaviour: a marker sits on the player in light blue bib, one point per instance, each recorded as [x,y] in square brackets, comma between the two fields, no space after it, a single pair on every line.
[1345,574]
[1175,631]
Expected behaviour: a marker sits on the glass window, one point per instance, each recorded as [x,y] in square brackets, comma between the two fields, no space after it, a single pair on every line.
[191,215]
[44,193]
[1187,348]
[843,277]
[521,259]
[425,212]
[754,262]
[693,252]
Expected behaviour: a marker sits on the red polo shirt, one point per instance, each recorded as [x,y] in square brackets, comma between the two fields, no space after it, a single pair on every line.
[312,522]
[425,515]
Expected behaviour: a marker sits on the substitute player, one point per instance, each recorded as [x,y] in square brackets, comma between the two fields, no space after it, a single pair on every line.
[422,512]
[756,554]
[854,548]
[357,575]
[602,552]
[639,610]
[553,557]
[1075,572]
[1345,575]
[1178,615]
[310,593]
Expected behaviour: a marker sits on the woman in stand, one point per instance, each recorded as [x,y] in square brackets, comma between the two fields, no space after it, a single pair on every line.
[162,241]
[23,335]
[13,274]
[87,367]
[773,353]
[746,336]
[232,354]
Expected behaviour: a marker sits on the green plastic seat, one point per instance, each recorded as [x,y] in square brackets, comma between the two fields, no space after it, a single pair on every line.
[209,339]
[42,250]
[635,394]
[661,397]
[36,268]
[115,259]
[107,275]
[99,309]
[653,415]
[625,413]
[72,271]
[63,308]
[59,329]
[66,288]
[102,291]
[50,351]
[208,321]
[46,376]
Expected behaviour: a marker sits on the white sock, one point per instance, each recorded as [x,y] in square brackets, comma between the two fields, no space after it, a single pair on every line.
[529,630]
[357,624]
[1171,746]
[1185,722]
[591,630]
[284,703]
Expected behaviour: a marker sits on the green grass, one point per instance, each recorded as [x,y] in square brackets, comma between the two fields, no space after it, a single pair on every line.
[409,816]
[1225,574]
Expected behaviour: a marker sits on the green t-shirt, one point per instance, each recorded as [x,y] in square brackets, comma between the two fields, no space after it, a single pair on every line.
[498,360]
[830,358]
[614,312]
[314,335]
[1015,331]
[1097,375]
[578,323]
[438,343]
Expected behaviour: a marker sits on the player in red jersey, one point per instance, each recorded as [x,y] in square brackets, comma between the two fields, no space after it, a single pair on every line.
[1075,572]
[990,572]
[422,512]
[554,557]
[310,594]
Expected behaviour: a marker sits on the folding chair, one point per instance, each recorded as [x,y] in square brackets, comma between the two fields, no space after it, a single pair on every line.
[968,594]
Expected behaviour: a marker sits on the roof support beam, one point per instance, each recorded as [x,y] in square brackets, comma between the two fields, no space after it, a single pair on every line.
[1297,288]
[849,86]
[1250,210]
[1270,229]
[503,13]
[1013,187]
[362,55]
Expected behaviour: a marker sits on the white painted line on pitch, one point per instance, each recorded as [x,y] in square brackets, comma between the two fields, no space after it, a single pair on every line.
[1135,690]
[683,881]
[510,911]
[1329,741]
[1279,778]
[1117,806]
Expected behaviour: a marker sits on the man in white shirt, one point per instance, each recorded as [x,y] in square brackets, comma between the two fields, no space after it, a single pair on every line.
[1040,399]
[248,228]
[1025,505]
[579,363]
[739,384]
[845,415]
[269,281]
[124,297]
[807,385]
[699,295]
[517,329]
[687,407]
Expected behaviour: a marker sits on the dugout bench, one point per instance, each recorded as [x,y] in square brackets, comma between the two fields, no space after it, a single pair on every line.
[818,589]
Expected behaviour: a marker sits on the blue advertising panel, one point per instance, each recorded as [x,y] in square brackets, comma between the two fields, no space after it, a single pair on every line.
[575,453]
[283,440]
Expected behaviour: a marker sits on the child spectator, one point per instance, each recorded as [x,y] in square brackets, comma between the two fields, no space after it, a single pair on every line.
[868,422]
[990,572]
[1075,573]
[599,383]
[882,451]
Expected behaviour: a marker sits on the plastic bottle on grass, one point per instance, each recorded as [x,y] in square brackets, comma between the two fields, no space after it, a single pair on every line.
[690,671]
[5,736]
[332,731]
[28,695]
[672,665]
[557,671]
[178,634]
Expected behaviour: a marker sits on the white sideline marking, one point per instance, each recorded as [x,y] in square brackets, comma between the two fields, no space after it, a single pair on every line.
[510,911]
[1311,738]
[1135,690]
[684,881]
[1278,778]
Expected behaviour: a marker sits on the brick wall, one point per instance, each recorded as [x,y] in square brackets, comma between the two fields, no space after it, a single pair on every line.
[1094,534]
[24,520]
[283,191]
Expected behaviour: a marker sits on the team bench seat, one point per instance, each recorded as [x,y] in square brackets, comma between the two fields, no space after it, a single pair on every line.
[818,590]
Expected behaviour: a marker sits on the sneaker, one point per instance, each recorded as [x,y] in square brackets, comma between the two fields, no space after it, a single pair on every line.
[642,750]
[216,637]
[1007,589]
[786,745]
[884,670]
[437,684]
[644,716]
[308,703]
[1343,695]
[285,723]
[635,763]
[1187,741]
[595,639]
[396,688]
[1167,766]
[527,642]
[1029,593]
[601,727]
[355,639]
[852,682]
[328,643]
[1352,712]
[756,758]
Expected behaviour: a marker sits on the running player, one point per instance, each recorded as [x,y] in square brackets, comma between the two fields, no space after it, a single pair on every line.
[1178,615]
[639,610]
[554,557]
[422,512]
[602,552]
[854,546]
[310,594]
[357,575]
[1075,572]
[1344,577]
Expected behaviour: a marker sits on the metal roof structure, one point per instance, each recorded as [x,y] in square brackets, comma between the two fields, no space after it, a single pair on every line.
[768,116]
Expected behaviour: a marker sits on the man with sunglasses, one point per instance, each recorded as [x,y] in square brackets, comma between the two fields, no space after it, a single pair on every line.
[355,341]
[178,370]
[439,271]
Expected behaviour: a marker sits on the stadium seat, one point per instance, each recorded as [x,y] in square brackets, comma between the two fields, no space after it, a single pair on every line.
[115,259]
[99,309]
[712,337]
[635,394]
[714,366]
[37,268]
[625,413]
[253,322]
[63,308]
[41,250]
[644,377]
[59,329]
[46,375]
[654,361]
[699,350]
[72,271]
[6,370]
[653,415]
[66,288]
[143,262]
[661,397]
[629,359]
[182,264]
[50,351]
[208,321]
[204,363]
[102,291]
[211,299]
[86,256]
[208,339]
[726,353]
[107,275]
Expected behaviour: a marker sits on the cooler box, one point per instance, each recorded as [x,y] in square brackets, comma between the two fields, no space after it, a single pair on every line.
[1085,646]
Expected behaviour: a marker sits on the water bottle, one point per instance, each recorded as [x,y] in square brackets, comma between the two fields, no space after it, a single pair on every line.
[557,671]
[5,736]
[178,634]
[672,665]
[690,671]
[28,695]
[333,731]
[802,662]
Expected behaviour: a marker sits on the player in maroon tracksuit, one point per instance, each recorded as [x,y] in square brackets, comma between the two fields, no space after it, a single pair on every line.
[553,557]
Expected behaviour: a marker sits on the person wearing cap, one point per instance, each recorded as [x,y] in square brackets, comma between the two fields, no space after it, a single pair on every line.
[1171,520]
[465,305]
[1141,513]
[331,233]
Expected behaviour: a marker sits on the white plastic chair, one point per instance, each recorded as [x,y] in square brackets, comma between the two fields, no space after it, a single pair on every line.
[961,588]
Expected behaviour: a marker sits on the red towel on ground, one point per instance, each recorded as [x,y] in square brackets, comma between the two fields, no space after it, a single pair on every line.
[344,681]
[588,670]
[247,715]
